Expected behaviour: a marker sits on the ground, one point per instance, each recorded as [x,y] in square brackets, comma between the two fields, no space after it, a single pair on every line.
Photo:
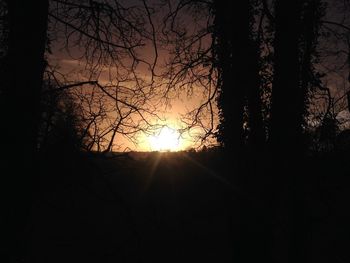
[167,207]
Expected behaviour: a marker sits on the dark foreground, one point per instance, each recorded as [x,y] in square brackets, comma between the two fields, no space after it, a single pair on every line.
[176,208]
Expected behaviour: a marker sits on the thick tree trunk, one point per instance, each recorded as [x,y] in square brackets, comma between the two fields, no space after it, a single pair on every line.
[257,134]
[286,133]
[20,109]
[238,64]
[239,83]
[286,128]
[231,39]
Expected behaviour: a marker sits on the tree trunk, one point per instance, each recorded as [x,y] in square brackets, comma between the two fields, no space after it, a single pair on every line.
[230,42]
[237,61]
[20,108]
[286,128]
[257,134]
[286,133]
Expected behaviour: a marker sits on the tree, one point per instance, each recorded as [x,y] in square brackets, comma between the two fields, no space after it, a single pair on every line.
[296,33]
[230,43]
[111,66]
[22,74]
[237,61]
[294,74]
[189,69]
[286,99]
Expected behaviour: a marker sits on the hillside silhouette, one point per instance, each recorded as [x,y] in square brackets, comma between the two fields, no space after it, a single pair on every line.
[171,207]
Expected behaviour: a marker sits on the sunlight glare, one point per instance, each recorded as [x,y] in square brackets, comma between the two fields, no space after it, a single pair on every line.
[167,139]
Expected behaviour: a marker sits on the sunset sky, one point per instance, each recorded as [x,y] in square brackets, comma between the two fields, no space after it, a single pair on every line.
[70,58]
[146,87]
[170,113]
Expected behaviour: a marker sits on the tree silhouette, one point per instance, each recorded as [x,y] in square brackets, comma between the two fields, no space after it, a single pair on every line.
[239,80]
[230,47]
[111,36]
[293,72]
[296,32]
[22,73]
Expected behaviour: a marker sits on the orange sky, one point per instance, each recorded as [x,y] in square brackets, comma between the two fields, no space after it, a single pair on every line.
[172,114]
[76,69]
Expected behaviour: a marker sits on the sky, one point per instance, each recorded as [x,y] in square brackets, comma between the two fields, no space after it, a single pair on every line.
[109,68]
[75,58]
[171,112]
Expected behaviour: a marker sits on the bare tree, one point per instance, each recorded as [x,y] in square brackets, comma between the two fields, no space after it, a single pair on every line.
[190,69]
[104,40]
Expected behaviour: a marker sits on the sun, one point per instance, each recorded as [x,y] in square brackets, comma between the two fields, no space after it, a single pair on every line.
[166,139]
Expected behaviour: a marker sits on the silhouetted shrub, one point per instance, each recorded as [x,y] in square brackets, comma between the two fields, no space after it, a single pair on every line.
[62,127]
